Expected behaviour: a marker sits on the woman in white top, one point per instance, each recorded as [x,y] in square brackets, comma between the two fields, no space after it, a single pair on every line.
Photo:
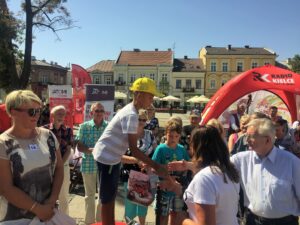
[212,196]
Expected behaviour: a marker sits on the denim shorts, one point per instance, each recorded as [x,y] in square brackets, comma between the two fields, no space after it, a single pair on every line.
[170,204]
[109,174]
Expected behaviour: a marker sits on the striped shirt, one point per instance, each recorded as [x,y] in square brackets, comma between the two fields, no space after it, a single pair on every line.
[88,134]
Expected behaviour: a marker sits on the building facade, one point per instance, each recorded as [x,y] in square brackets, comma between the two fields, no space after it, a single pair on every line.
[187,78]
[132,65]
[102,72]
[223,63]
[44,74]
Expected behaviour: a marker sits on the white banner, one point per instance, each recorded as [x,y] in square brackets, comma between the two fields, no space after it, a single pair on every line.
[60,91]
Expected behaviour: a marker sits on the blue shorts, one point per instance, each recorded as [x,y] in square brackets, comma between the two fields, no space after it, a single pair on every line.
[109,174]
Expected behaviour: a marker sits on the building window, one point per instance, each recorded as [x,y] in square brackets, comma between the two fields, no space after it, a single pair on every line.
[213,67]
[152,76]
[43,78]
[178,84]
[225,67]
[142,75]
[267,63]
[254,65]
[164,77]
[121,77]
[239,67]
[132,78]
[107,80]
[198,84]
[188,83]
[212,84]
[97,80]
[62,80]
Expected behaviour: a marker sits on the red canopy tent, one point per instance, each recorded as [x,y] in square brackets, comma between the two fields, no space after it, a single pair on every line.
[283,83]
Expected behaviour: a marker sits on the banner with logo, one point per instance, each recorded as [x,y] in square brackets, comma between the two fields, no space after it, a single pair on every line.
[62,95]
[80,77]
[283,83]
[100,93]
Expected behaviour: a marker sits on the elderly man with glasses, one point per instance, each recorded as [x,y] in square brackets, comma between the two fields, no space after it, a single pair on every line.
[64,135]
[88,134]
[270,178]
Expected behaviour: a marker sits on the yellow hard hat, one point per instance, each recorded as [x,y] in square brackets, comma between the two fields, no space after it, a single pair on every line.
[145,84]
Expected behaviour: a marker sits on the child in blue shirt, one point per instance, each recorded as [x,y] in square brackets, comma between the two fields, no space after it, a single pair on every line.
[167,152]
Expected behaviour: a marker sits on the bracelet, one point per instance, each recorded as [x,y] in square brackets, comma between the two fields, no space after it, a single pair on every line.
[33,206]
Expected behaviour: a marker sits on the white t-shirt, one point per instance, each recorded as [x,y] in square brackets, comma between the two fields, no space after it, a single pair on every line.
[113,143]
[208,187]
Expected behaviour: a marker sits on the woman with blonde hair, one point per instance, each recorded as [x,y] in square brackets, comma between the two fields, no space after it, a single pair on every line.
[31,171]
[235,136]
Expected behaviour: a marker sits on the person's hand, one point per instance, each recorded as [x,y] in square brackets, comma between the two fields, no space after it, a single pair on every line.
[178,165]
[161,170]
[44,212]
[170,184]
[51,200]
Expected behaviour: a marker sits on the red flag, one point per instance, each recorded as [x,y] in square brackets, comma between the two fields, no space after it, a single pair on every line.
[80,77]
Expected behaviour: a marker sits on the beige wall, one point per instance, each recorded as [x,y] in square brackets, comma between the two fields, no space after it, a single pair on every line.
[219,76]
[127,71]
[183,76]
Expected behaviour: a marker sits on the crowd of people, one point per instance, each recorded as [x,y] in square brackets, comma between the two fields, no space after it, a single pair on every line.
[205,175]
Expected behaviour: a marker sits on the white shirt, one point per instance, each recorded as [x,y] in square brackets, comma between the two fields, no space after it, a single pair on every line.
[208,187]
[113,143]
[272,184]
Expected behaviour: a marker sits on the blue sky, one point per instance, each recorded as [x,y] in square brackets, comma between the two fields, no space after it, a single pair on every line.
[107,27]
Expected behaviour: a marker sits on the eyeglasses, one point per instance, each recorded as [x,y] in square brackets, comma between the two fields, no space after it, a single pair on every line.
[31,112]
[143,120]
[99,111]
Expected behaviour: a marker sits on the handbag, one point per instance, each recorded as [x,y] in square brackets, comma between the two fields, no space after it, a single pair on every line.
[139,188]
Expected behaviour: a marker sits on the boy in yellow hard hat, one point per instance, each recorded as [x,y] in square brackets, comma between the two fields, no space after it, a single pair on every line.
[119,135]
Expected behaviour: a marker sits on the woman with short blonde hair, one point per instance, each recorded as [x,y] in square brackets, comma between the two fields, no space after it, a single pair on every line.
[31,170]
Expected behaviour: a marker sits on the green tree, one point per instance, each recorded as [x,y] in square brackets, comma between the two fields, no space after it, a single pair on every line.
[42,14]
[8,50]
[295,63]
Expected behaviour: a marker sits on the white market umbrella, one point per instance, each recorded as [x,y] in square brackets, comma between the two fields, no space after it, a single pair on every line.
[202,99]
[120,95]
[192,99]
[170,98]
[156,98]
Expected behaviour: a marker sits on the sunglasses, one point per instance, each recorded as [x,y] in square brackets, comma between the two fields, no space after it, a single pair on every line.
[99,111]
[31,112]
[143,120]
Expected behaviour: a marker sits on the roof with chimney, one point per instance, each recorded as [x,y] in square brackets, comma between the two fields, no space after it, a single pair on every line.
[187,65]
[102,66]
[44,63]
[145,58]
[229,50]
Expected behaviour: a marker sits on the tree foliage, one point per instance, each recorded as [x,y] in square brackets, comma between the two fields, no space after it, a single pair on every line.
[9,27]
[42,14]
[295,63]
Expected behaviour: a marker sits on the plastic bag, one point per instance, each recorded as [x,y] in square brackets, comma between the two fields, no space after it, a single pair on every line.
[59,218]
[139,188]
